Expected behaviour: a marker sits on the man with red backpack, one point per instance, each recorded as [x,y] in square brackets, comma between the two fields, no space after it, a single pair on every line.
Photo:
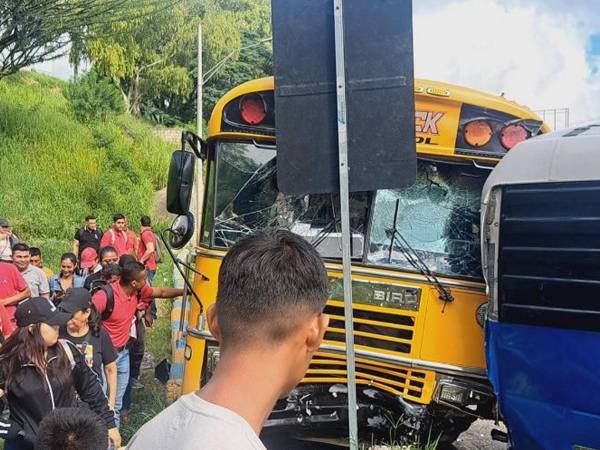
[117,237]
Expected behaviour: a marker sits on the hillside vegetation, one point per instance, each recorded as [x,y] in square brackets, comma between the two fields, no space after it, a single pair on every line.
[54,169]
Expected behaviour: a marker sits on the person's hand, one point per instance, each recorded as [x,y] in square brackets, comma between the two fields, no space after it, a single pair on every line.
[115,437]
[148,318]
[9,430]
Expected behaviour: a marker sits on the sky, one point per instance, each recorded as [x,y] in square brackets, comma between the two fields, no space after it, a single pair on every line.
[541,53]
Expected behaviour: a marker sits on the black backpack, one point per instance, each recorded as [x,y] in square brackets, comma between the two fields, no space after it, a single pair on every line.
[110,297]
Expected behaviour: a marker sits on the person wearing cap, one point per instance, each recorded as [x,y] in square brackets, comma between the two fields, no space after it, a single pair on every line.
[85,331]
[87,237]
[13,290]
[39,373]
[88,263]
[34,276]
[107,255]
[7,240]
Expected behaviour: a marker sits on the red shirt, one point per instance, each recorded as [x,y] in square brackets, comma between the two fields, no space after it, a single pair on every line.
[147,237]
[11,283]
[119,322]
[120,240]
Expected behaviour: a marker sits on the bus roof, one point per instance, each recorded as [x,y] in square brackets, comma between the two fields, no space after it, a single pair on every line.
[426,88]
[572,154]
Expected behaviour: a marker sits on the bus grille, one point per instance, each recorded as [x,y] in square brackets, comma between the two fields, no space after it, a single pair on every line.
[411,384]
[374,329]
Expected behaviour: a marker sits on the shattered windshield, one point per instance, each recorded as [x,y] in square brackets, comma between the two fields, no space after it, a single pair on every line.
[247,200]
[438,217]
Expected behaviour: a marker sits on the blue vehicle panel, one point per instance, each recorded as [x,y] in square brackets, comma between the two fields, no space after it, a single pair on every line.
[548,384]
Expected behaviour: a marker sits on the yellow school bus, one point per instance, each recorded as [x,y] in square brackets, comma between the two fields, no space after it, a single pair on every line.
[419,296]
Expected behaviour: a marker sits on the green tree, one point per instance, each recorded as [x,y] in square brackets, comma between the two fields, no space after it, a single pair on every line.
[142,56]
[32,31]
[94,97]
[153,60]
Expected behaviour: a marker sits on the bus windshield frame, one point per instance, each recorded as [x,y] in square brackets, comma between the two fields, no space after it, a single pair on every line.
[242,197]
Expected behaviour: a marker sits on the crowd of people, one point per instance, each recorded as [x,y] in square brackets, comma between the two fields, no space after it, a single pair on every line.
[76,337]
[68,354]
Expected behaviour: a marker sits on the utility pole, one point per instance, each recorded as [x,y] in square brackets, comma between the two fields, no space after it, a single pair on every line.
[342,127]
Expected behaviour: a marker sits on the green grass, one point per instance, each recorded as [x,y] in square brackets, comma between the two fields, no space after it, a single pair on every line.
[55,170]
[151,400]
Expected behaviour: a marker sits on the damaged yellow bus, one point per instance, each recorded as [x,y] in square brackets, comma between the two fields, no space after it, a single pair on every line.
[419,294]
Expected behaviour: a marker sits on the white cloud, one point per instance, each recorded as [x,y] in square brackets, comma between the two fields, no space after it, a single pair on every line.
[535,55]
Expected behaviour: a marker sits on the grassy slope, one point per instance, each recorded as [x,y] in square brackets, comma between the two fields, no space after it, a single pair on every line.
[54,170]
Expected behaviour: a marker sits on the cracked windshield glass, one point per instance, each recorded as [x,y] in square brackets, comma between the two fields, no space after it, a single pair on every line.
[438,217]
[247,200]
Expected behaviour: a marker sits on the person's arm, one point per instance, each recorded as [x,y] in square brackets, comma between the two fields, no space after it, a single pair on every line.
[20,285]
[149,243]
[17,298]
[166,292]
[109,361]
[44,286]
[88,387]
[105,240]
[110,371]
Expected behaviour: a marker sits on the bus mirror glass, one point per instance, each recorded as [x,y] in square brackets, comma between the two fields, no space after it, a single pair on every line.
[180,182]
[182,230]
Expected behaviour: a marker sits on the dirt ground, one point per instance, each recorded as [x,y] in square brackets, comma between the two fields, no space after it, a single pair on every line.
[478,437]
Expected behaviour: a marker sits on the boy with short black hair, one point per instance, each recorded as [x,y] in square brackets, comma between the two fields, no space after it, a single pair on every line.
[71,429]
[269,321]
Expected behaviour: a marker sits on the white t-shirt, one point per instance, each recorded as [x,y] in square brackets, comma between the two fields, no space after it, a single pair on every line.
[194,423]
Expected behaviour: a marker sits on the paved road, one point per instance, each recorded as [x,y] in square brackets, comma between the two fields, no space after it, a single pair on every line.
[475,438]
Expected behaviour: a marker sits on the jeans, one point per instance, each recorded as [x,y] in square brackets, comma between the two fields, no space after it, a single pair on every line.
[136,355]
[122,381]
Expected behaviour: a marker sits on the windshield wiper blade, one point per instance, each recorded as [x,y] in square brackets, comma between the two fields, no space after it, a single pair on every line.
[413,258]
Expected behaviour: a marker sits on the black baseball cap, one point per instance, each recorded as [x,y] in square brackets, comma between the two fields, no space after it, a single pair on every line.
[76,299]
[39,310]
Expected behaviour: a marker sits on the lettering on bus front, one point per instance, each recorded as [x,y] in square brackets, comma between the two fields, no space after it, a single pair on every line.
[426,122]
[378,294]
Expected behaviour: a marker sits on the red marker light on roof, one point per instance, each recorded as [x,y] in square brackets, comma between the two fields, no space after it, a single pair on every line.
[512,134]
[253,109]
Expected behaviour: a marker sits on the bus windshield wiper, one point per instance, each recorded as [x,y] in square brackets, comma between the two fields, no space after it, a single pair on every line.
[413,258]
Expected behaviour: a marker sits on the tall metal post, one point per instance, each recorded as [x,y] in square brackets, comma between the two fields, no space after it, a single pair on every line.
[345,216]
[199,178]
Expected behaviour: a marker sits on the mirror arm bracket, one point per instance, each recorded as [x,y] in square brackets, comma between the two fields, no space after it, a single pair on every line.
[195,142]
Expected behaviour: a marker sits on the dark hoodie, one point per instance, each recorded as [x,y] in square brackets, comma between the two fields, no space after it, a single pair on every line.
[30,398]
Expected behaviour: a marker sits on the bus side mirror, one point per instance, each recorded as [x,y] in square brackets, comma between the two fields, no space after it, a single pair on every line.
[180,182]
[181,230]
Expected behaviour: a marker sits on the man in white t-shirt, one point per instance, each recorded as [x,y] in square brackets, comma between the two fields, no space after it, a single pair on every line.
[269,321]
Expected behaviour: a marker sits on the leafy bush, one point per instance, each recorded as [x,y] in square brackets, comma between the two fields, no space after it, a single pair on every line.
[94,97]
[54,170]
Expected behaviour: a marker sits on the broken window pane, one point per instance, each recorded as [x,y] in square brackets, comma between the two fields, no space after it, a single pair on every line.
[438,216]
[247,200]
